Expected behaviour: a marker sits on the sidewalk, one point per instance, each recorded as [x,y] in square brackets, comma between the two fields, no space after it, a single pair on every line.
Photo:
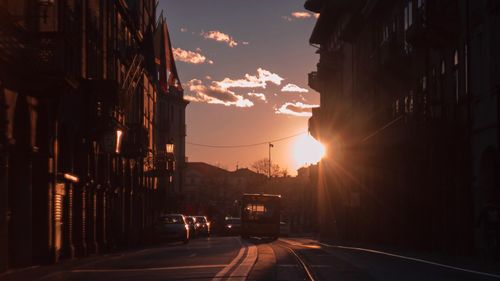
[40,272]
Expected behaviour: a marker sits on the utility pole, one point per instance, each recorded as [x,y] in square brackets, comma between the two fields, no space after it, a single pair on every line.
[270,146]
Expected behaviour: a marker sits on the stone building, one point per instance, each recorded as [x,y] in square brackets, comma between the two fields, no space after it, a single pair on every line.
[409,115]
[80,165]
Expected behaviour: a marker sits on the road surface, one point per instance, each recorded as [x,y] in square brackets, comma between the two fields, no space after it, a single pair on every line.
[231,258]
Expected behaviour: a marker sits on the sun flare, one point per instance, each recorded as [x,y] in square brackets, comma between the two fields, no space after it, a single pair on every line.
[307,150]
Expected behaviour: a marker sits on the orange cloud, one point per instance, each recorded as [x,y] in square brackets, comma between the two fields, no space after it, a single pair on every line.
[190,56]
[301,15]
[260,80]
[292,88]
[259,96]
[296,109]
[220,37]
[215,95]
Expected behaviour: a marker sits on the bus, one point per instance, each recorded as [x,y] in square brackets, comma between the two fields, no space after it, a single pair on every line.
[260,215]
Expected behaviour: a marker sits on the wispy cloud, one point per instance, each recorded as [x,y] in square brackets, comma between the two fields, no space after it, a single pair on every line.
[292,88]
[301,15]
[296,109]
[190,56]
[214,94]
[220,37]
[298,15]
[259,96]
[260,80]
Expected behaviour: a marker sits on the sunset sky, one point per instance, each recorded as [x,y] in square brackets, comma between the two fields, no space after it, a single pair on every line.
[244,65]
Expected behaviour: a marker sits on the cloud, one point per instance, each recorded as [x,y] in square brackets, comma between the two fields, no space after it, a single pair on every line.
[214,94]
[298,16]
[260,80]
[259,96]
[292,88]
[301,15]
[184,29]
[220,37]
[190,56]
[296,109]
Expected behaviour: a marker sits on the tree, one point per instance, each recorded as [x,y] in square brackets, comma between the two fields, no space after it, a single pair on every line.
[262,167]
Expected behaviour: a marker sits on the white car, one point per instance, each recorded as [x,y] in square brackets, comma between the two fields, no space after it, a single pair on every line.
[172,227]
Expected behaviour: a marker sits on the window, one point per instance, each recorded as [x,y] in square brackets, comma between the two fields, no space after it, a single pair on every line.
[408,14]
[466,68]
[424,83]
[456,76]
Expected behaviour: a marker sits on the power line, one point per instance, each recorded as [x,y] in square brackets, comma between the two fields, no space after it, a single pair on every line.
[246,145]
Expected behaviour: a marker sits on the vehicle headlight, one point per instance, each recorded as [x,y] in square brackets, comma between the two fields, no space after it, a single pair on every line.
[229,226]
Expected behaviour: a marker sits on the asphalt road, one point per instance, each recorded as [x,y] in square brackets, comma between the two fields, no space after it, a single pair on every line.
[230,258]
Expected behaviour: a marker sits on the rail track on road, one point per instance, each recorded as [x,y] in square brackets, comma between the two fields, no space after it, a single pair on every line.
[308,273]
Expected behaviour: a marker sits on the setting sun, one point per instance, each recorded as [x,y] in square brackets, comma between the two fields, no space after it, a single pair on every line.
[307,150]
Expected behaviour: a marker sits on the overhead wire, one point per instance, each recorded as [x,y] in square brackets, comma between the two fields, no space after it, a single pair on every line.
[246,145]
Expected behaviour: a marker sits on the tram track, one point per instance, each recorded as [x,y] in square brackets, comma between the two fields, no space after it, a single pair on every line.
[308,273]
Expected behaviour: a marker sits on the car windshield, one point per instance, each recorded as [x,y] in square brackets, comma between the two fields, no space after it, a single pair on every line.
[172,220]
[190,220]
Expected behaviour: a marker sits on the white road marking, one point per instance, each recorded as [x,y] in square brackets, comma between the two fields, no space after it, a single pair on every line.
[220,275]
[148,268]
[241,272]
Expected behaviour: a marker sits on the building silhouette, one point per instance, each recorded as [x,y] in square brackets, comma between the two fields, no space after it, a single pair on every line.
[409,114]
[83,152]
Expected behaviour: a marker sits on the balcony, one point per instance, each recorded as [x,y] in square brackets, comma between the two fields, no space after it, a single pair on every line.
[102,108]
[314,123]
[135,143]
[314,82]
[314,6]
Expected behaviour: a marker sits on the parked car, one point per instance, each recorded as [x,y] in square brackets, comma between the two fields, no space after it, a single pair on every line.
[172,227]
[232,226]
[203,225]
[193,231]
[284,229]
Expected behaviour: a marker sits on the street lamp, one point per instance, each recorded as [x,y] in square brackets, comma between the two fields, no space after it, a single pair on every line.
[169,148]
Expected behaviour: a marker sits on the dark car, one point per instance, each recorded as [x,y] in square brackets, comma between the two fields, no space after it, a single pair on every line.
[232,226]
[172,227]
[203,225]
[193,231]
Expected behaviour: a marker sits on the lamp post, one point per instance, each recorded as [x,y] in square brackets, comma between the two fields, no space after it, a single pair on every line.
[270,146]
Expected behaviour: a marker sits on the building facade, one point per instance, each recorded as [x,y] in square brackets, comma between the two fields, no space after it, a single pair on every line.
[80,159]
[409,115]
